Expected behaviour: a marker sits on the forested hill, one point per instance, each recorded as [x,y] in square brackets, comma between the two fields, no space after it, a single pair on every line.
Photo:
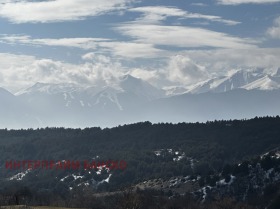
[150,150]
[219,140]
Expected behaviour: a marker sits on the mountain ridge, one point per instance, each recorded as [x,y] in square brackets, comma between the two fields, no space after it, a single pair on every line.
[132,100]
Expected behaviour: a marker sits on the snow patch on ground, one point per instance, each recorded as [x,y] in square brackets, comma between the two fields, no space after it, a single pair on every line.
[77,177]
[20,176]
[223,181]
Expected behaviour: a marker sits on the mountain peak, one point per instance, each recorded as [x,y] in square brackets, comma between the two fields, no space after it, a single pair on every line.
[4,92]
[242,78]
[49,88]
[128,76]
[277,72]
[140,87]
[131,79]
[267,82]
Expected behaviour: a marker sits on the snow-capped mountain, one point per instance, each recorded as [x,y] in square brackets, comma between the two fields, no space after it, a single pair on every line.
[265,83]
[127,83]
[49,88]
[129,100]
[261,79]
[175,90]
[141,88]
[127,92]
[88,105]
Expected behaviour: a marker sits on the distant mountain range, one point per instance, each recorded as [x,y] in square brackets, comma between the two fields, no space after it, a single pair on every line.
[242,94]
[258,79]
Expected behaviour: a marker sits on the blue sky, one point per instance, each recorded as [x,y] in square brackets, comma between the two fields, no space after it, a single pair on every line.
[166,42]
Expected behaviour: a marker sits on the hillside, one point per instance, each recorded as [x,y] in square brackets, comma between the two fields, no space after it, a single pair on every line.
[151,151]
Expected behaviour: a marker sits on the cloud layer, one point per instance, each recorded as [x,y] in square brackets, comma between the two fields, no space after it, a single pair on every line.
[274,31]
[180,36]
[186,68]
[164,45]
[156,14]
[19,71]
[237,2]
[21,11]
[121,49]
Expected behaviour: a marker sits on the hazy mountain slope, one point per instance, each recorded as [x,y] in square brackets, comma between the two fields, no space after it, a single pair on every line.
[112,107]
[236,104]
[74,106]
[243,94]
[13,113]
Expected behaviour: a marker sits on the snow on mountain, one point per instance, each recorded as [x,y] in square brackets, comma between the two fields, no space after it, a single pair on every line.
[265,83]
[70,94]
[141,88]
[129,100]
[262,79]
[276,72]
[226,83]
[107,96]
[74,105]
[126,93]
[175,90]
[126,83]
[48,95]
[49,88]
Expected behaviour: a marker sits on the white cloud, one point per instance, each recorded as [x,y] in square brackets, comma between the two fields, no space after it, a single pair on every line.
[188,67]
[183,70]
[19,71]
[274,31]
[179,36]
[155,14]
[153,76]
[13,60]
[23,11]
[219,61]
[84,43]
[199,4]
[132,49]
[236,2]
[122,49]
[192,66]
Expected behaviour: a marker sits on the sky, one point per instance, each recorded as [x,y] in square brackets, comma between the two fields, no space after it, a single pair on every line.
[165,42]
